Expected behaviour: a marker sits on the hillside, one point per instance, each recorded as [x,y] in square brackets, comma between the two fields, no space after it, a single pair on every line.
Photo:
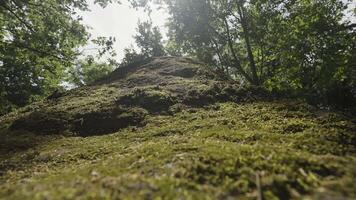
[173,129]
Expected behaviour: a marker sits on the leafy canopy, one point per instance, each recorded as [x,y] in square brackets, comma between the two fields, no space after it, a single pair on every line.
[294,45]
[39,40]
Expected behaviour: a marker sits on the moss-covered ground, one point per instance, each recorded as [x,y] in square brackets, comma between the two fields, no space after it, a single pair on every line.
[280,149]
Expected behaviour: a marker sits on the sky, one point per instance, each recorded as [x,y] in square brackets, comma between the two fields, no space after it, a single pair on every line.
[119,21]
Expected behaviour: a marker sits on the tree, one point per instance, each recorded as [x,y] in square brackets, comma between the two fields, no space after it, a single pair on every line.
[39,40]
[149,40]
[291,44]
[131,56]
[305,44]
[217,32]
[87,71]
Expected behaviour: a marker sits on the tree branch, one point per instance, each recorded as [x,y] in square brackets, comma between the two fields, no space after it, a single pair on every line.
[18,17]
[232,50]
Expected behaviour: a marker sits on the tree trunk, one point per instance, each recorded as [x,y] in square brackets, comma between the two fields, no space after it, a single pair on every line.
[245,30]
[236,60]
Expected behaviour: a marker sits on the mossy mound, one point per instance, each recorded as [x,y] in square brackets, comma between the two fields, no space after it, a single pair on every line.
[132,92]
[178,131]
[214,152]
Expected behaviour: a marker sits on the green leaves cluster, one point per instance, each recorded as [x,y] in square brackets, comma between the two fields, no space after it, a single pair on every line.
[149,40]
[299,45]
[39,42]
[87,71]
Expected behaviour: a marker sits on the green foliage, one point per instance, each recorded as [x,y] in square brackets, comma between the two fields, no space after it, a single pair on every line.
[216,32]
[149,40]
[314,49]
[87,71]
[132,57]
[92,68]
[39,41]
[298,46]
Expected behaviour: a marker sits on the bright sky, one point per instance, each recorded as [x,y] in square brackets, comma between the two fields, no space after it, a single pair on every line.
[120,21]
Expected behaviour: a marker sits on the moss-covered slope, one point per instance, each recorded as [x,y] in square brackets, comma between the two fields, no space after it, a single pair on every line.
[126,97]
[171,129]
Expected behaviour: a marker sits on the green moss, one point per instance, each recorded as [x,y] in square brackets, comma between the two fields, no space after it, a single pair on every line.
[163,135]
[151,99]
[196,153]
